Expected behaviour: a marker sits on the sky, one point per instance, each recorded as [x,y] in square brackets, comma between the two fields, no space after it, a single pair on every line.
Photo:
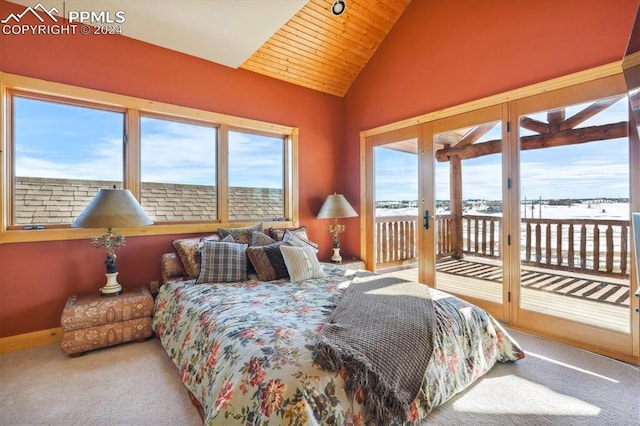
[590,170]
[62,141]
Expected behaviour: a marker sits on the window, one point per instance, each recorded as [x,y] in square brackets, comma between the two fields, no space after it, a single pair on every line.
[178,170]
[256,173]
[62,155]
[192,170]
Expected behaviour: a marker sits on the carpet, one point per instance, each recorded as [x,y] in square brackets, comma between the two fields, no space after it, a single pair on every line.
[555,384]
[136,384]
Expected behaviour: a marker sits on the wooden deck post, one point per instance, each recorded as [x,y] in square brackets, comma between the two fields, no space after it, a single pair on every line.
[455,195]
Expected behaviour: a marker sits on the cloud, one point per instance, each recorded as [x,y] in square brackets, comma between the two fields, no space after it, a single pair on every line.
[104,163]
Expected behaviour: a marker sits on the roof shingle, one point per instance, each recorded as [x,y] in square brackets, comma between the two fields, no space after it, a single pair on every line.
[60,201]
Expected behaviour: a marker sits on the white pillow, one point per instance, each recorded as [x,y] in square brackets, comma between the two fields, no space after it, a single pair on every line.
[298,241]
[301,262]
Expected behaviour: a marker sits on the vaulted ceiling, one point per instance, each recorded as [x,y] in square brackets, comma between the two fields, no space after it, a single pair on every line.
[299,41]
[321,51]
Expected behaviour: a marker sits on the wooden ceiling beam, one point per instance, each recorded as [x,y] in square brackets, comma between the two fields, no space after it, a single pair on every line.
[593,109]
[566,137]
[555,119]
[534,125]
[476,133]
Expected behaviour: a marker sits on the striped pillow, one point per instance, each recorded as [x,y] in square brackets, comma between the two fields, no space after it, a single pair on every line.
[223,262]
[298,241]
[301,262]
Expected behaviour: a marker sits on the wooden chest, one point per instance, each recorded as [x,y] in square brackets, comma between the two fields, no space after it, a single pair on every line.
[91,321]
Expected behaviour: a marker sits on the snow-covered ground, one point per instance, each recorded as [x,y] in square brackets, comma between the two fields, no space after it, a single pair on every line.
[617,211]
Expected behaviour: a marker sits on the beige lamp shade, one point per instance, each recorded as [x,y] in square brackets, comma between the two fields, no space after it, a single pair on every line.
[336,206]
[112,208]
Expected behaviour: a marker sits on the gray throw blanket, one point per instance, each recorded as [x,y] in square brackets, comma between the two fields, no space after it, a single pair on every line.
[381,335]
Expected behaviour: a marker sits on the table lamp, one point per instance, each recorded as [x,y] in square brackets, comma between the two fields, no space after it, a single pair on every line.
[111,208]
[335,207]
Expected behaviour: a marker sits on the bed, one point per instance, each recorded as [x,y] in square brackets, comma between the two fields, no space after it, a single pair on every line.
[245,349]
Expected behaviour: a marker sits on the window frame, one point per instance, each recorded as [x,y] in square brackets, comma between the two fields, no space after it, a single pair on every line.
[181,120]
[286,163]
[133,108]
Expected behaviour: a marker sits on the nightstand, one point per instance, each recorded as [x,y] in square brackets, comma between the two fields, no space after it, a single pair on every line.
[91,321]
[348,263]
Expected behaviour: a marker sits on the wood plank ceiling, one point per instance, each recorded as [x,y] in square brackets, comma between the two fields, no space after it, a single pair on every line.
[318,50]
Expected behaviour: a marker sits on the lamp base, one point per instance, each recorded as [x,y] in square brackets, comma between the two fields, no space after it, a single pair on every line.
[112,287]
[336,258]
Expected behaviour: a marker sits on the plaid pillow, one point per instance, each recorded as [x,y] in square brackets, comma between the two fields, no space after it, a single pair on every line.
[302,263]
[223,262]
[188,250]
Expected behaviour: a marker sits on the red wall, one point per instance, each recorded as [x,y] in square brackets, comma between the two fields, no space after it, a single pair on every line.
[37,278]
[443,53]
[440,53]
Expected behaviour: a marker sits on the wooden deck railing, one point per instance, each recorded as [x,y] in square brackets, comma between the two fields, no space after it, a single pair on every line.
[593,245]
[396,240]
[585,245]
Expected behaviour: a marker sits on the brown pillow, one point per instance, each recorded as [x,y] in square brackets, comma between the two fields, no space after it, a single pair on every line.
[240,235]
[261,239]
[188,250]
[278,234]
[268,261]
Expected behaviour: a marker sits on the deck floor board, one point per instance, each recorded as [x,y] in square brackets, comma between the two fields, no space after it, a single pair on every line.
[591,299]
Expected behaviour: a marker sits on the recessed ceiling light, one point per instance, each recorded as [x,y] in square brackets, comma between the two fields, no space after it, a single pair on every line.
[338,7]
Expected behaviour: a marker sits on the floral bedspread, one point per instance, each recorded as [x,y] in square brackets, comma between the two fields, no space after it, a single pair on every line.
[244,350]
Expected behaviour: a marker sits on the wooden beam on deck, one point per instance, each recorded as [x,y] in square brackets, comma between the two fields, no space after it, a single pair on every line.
[562,138]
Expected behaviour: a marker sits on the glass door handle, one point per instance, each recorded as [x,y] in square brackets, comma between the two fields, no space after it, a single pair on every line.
[425,218]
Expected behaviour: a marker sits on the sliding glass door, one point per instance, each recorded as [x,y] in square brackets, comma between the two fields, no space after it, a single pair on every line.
[469,190]
[522,208]
[575,244]
[393,158]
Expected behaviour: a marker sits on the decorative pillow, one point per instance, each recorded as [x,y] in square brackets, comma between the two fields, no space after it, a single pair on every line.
[223,262]
[278,233]
[261,239]
[228,239]
[297,241]
[241,235]
[268,261]
[301,262]
[188,250]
